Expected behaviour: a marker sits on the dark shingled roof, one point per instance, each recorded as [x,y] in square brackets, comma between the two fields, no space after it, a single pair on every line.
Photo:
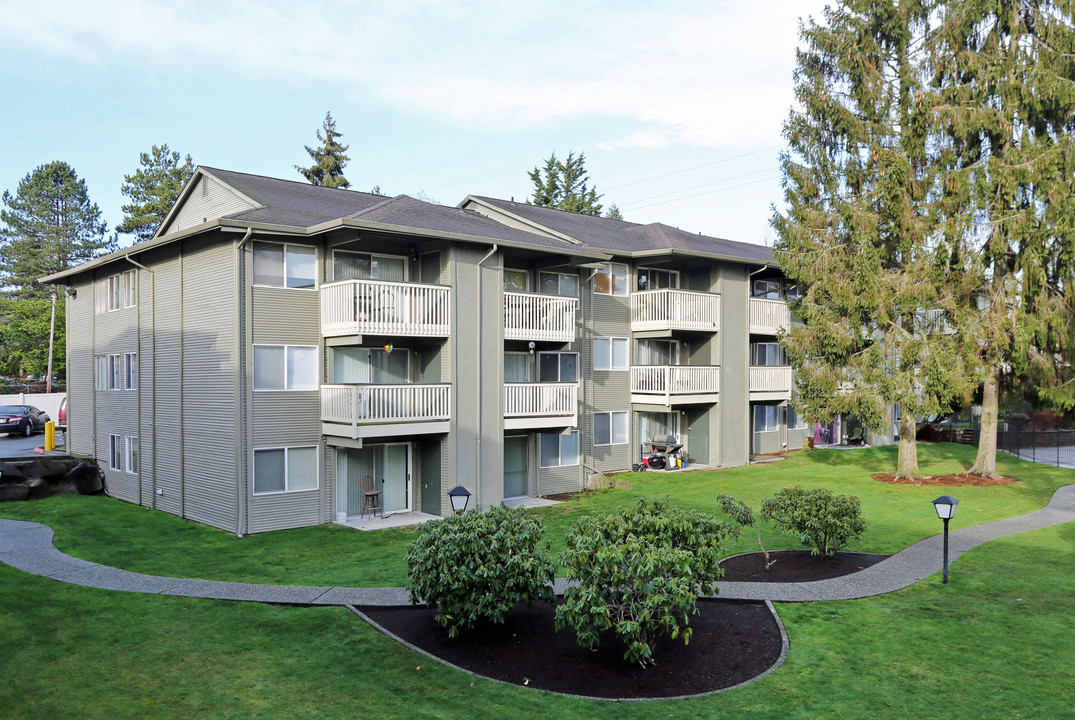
[627,237]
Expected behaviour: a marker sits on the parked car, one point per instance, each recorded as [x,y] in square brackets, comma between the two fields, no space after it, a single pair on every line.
[61,416]
[22,420]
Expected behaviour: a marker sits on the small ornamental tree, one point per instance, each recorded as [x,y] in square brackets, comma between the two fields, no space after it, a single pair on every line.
[475,566]
[639,573]
[821,520]
[743,516]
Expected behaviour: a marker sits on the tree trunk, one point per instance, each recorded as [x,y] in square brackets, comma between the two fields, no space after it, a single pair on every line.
[986,462]
[52,341]
[907,464]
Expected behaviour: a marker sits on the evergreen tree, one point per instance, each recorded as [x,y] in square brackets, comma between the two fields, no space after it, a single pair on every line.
[564,186]
[329,158]
[153,190]
[858,232]
[613,213]
[49,225]
[1005,76]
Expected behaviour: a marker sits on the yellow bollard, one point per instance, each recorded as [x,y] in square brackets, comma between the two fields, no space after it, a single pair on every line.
[50,436]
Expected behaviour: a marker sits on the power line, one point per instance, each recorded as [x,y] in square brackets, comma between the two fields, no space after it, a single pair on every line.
[696,167]
[683,190]
[707,192]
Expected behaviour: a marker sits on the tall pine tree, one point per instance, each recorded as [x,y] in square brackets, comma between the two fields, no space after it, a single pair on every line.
[329,158]
[1004,71]
[153,190]
[565,186]
[49,225]
[858,232]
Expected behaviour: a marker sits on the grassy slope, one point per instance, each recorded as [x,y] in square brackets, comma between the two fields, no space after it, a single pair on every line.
[115,533]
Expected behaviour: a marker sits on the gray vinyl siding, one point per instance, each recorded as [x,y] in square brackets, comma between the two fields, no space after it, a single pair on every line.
[796,437]
[208,200]
[165,395]
[768,442]
[210,365]
[80,400]
[714,435]
[734,340]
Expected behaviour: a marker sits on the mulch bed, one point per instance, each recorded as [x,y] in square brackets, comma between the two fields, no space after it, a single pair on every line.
[795,566]
[951,480]
[733,641]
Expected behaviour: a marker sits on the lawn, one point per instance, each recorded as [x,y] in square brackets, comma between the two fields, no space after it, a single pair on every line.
[995,642]
[111,532]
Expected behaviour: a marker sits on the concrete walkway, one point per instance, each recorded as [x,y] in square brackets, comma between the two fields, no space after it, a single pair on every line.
[28,547]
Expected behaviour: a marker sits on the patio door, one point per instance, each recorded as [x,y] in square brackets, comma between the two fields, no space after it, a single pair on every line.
[388,464]
[515,464]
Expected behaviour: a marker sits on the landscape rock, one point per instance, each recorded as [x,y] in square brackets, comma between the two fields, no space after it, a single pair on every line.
[11,473]
[85,478]
[45,468]
[11,493]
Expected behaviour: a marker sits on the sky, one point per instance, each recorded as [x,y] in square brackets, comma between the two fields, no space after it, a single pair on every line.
[678,107]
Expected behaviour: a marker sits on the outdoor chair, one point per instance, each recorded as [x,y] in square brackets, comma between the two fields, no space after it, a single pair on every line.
[371,497]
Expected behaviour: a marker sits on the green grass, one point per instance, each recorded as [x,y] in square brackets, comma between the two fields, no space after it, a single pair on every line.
[114,533]
[996,642]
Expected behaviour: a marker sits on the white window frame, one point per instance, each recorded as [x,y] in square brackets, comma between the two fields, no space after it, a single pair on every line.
[130,371]
[605,359]
[559,282]
[131,454]
[115,452]
[525,274]
[613,437]
[287,483]
[791,414]
[767,289]
[609,270]
[372,256]
[647,272]
[776,418]
[283,268]
[559,367]
[287,349]
[560,449]
[115,292]
[113,371]
[778,349]
[530,370]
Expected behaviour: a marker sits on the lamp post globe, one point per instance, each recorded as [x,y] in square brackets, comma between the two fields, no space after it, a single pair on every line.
[459,497]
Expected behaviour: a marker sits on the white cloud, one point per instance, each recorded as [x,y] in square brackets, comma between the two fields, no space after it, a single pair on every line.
[703,73]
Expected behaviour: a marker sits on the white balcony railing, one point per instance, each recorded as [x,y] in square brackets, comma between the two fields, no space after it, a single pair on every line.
[538,399]
[770,379]
[528,316]
[374,404]
[674,310]
[378,307]
[769,317]
[675,380]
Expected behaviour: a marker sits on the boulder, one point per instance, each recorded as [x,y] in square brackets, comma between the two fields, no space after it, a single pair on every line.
[38,487]
[11,473]
[85,478]
[598,481]
[11,493]
[45,468]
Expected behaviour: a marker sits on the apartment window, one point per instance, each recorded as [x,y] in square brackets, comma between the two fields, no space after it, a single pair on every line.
[767,417]
[653,279]
[348,265]
[795,422]
[115,452]
[767,354]
[285,367]
[611,279]
[610,428]
[516,367]
[792,291]
[563,284]
[559,450]
[558,367]
[114,292]
[290,469]
[285,265]
[516,281]
[609,353]
[132,454]
[116,372]
[130,371]
[766,289]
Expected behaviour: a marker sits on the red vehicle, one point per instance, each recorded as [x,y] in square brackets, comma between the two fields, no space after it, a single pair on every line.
[61,416]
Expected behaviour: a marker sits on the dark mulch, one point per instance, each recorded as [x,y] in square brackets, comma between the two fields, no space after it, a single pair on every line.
[732,642]
[795,566]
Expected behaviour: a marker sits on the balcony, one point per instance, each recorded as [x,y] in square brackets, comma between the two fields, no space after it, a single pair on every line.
[769,317]
[540,405]
[528,316]
[378,307]
[675,384]
[770,383]
[360,411]
[674,310]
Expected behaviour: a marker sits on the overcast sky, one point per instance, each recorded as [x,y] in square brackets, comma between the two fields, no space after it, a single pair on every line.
[677,107]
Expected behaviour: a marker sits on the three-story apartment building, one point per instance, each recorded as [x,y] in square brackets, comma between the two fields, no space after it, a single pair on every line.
[276,342]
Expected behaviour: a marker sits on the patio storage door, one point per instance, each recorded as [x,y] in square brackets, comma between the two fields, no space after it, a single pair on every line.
[515,458]
[394,471]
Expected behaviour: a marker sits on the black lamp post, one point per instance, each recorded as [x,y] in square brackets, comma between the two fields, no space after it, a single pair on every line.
[459,496]
[946,510]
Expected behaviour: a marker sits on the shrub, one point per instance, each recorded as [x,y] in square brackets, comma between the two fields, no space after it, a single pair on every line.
[475,566]
[821,520]
[743,516]
[639,574]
